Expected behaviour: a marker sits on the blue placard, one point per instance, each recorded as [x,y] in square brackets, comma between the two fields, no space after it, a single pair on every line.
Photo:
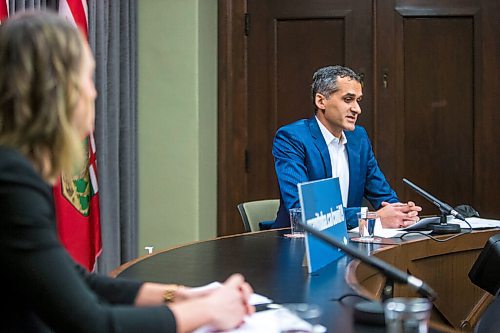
[321,203]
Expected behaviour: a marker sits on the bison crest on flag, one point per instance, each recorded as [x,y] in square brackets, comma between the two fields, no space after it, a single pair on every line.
[77,189]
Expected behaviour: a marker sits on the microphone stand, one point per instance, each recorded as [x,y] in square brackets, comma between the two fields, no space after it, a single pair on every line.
[443,227]
[373,312]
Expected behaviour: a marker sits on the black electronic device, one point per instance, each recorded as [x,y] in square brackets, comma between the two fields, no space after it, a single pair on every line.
[373,312]
[467,211]
[443,227]
[485,273]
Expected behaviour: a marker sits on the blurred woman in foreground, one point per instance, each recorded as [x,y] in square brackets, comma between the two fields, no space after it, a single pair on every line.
[47,98]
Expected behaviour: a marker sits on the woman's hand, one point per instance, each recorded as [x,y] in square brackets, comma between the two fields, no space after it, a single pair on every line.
[230,303]
[221,308]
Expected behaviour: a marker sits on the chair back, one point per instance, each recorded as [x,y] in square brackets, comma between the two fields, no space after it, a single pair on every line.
[254,212]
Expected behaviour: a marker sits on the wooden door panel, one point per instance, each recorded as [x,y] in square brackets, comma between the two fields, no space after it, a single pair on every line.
[287,42]
[486,106]
[232,99]
[430,91]
[294,73]
[438,113]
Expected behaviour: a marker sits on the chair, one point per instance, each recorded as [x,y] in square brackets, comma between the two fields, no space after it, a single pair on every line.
[253,213]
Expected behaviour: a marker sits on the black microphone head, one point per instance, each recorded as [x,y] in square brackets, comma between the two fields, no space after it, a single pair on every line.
[428,292]
[421,287]
[460,217]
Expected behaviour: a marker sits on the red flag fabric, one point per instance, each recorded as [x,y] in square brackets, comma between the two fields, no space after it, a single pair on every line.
[75,11]
[4,10]
[76,197]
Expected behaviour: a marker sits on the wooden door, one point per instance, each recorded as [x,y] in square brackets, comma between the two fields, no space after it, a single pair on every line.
[435,75]
[287,42]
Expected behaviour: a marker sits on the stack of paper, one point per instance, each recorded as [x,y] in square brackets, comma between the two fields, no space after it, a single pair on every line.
[475,222]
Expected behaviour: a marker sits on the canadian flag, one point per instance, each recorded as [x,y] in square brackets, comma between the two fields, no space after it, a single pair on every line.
[4,10]
[76,197]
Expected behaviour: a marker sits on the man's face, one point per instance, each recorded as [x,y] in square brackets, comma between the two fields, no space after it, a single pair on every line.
[340,110]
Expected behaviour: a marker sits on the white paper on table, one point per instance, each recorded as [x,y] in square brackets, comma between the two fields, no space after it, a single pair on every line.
[255,299]
[385,232]
[268,321]
[475,222]
[210,286]
[392,233]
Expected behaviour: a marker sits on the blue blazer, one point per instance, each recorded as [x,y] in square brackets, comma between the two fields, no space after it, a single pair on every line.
[301,154]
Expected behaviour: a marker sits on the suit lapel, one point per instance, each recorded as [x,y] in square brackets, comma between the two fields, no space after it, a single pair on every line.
[320,144]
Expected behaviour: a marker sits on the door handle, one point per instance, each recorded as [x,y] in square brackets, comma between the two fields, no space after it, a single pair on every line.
[385,79]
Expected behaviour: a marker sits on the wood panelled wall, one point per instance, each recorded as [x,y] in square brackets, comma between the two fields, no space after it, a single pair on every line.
[430,82]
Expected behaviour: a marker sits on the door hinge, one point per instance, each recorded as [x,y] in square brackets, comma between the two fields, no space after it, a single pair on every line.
[247,24]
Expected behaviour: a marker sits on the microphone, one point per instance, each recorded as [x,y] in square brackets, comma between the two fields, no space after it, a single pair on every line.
[388,270]
[372,312]
[444,207]
[443,227]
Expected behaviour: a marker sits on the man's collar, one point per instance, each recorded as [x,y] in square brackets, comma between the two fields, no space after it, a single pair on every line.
[328,136]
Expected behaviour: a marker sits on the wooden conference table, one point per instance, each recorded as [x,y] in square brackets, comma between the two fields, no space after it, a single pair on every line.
[273,264]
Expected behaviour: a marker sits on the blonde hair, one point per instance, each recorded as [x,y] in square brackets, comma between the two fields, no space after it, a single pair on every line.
[40,60]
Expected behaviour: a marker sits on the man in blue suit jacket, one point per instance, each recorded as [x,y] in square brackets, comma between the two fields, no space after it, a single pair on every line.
[330,145]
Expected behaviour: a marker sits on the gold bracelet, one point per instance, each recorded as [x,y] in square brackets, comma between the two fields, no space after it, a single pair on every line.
[169,293]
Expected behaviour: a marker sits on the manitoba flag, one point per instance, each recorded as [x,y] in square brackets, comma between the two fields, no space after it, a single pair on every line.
[76,196]
[4,10]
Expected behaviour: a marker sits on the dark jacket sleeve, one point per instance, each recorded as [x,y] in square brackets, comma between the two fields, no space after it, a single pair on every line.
[113,290]
[43,285]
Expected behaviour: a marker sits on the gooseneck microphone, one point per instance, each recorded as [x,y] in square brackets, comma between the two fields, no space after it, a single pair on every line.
[443,227]
[444,207]
[372,312]
[388,270]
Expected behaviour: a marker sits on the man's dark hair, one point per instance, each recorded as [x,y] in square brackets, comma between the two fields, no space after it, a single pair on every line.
[325,80]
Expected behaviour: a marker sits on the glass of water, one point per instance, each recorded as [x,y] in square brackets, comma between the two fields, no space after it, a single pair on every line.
[366,223]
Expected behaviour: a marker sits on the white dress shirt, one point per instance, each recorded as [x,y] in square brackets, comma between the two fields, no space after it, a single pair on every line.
[338,158]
